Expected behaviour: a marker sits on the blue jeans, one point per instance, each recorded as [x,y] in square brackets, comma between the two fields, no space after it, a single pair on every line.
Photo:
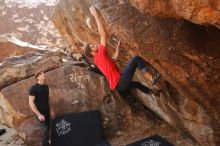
[125,81]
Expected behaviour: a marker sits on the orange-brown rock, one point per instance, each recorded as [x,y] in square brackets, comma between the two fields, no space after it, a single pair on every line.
[72,28]
[72,89]
[122,124]
[187,56]
[9,48]
[196,11]
[20,67]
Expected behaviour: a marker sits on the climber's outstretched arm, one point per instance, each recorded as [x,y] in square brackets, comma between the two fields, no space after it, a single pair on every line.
[101,28]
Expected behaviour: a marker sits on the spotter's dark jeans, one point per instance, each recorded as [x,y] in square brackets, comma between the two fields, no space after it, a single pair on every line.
[44,129]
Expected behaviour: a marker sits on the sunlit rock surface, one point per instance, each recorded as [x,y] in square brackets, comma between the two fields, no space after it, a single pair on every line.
[74,88]
[197,11]
[9,48]
[187,56]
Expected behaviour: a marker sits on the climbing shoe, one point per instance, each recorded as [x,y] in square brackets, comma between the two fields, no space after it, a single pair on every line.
[156,78]
[2,131]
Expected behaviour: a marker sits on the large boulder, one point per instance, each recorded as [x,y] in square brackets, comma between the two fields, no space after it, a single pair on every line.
[9,48]
[118,118]
[72,89]
[184,53]
[72,28]
[20,67]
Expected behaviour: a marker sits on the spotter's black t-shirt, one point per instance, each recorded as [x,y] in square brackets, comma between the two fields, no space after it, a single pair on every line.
[41,93]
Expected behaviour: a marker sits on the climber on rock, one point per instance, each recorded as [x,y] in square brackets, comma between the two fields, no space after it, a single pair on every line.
[119,81]
[40,105]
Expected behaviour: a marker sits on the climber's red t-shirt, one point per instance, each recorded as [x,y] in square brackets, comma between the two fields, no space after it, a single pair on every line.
[107,66]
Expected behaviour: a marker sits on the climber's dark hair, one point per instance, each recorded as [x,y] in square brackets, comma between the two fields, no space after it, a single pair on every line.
[87,51]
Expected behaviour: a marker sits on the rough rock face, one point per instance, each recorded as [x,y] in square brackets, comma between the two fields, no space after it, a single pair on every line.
[187,56]
[72,28]
[9,48]
[21,67]
[196,11]
[76,89]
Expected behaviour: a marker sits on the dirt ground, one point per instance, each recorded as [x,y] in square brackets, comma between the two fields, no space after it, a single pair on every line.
[10,138]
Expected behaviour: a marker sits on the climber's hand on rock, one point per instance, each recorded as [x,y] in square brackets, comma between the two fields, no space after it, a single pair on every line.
[93,11]
[155,92]
[41,118]
[118,45]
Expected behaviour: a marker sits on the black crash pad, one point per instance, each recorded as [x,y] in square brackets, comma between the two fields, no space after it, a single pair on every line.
[151,141]
[77,129]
